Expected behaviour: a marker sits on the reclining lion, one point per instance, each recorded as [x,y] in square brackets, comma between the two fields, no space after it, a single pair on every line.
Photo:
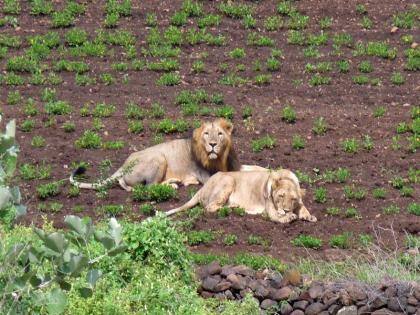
[181,161]
[274,193]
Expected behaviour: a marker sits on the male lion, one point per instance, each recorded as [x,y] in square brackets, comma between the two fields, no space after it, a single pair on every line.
[186,161]
[275,193]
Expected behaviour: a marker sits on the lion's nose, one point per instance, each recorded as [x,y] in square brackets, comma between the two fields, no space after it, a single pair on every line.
[212,144]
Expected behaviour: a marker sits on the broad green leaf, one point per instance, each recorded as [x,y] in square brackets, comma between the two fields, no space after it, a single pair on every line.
[106,241]
[56,302]
[77,263]
[86,292]
[35,281]
[15,194]
[10,165]
[20,210]
[75,224]
[64,285]
[11,128]
[93,276]
[56,242]
[117,250]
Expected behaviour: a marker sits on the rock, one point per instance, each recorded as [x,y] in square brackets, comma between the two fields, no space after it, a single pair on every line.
[210,283]
[331,301]
[397,304]
[227,270]
[412,300]
[297,312]
[333,309]
[292,277]
[244,292]
[261,292]
[364,310]
[213,268]
[220,296]
[222,286]
[347,310]
[285,309]
[244,271]
[229,295]
[324,313]
[411,309]
[418,311]
[315,291]
[417,294]
[301,305]
[280,294]
[238,282]
[314,308]
[253,284]
[379,302]
[345,298]
[356,293]
[275,280]
[390,292]
[383,311]
[207,294]
[267,304]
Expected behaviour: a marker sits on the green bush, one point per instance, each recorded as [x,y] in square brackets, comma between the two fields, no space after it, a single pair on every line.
[307,241]
[154,192]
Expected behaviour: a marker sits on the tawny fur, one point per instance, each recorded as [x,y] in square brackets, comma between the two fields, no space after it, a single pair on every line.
[182,161]
[276,194]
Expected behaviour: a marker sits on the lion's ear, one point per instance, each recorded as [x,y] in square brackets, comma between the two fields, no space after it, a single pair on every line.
[226,125]
[302,192]
[268,188]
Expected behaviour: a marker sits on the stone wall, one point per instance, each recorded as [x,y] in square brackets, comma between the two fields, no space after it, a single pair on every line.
[297,295]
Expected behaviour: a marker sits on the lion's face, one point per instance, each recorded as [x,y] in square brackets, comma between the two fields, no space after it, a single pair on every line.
[214,138]
[286,196]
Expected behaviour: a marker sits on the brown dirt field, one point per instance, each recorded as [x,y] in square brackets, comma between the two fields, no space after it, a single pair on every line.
[347,108]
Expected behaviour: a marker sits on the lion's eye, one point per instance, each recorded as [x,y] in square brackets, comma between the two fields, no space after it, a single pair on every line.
[206,134]
[220,134]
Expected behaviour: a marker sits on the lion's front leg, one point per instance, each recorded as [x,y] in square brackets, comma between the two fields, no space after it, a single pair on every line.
[172,182]
[304,214]
[191,180]
[287,218]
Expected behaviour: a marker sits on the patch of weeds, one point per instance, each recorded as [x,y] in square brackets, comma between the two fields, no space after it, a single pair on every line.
[234,10]
[379,111]
[156,111]
[325,23]
[209,20]
[102,110]
[343,39]
[350,145]
[351,213]
[237,53]
[76,37]
[397,182]
[379,193]
[151,20]
[14,97]
[147,209]
[58,108]
[179,18]
[342,241]
[169,79]
[113,145]
[289,114]
[297,21]
[366,23]
[51,207]
[334,211]
[350,192]
[38,141]
[49,190]
[28,125]
[273,64]
[255,39]
[295,37]
[258,240]
[285,8]
[168,126]
[135,127]
[392,209]
[74,191]
[246,112]
[407,39]
[107,78]
[406,191]
[365,240]
[198,66]
[319,67]
[272,23]
[402,127]
[112,210]
[249,22]
[367,143]
[365,67]
[266,142]
[298,142]
[317,40]
[414,208]
[397,78]
[318,79]
[405,19]
[320,126]
[153,192]
[320,194]
[230,239]
[311,52]
[307,241]
[89,140]
[224,212]
[200,237]
[262,79]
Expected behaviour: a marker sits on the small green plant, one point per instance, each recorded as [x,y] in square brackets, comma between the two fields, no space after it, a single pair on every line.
[365,67]
[379,111]
[406,191]
[224,212]
[74,191]
[28,125]
[237,53]
[342,241]
[198,66]
[200,237]
[151,20]
[298,142]
[258,240]
[295,37]
[266,142]
[392,209]
[76,37]
[58,108]
[107,78]
[367,143]
[351,213]
[320,126]
[318,79]
[230,239]
[307,241]
[320,194]
[407,39]
[365,240]
[112,210]
[289,114]
[272,23]
[379,193]
[153,192]
[69,127]
[169,79]
[262,79]
[38,141]
[414,208]
[168,126]
[147,209]
[49,190]
[135,127]
[325,23]
[350,145]
[334,211]
[397,78]
[89,140]
[366,23]
[249,21]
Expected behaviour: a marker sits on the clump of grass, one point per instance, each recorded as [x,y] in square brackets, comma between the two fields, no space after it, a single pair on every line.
[168,126]
[320,194]
[333,211]
[258,240]
[350,145]
[379,193]
[414,208]
[351,213]
[379,111]
[200,237]
[153,192]
[289,114]
[307,241]
[342,241]
[320,126]
[224,212]
[89,140]
[230,239]
[298,142]
[49,190]
[266,142]
[225,111]
[397,78]
[38,141]
[392,209]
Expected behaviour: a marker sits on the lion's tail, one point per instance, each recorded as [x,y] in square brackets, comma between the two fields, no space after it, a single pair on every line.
[81,170]
[191,203]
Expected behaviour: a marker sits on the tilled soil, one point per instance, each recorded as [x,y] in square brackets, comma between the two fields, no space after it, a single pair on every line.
[347,108]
